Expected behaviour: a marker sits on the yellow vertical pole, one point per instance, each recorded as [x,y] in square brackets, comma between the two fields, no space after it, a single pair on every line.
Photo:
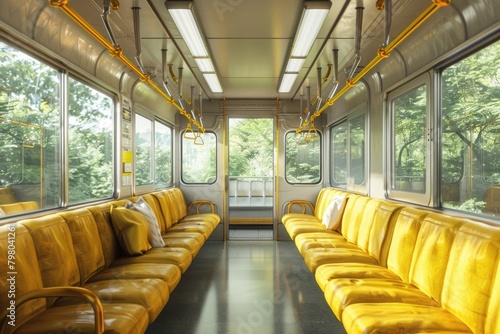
[225,171]
[276,172]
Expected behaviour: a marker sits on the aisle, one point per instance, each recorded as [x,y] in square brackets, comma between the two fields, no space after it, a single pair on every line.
[245,287]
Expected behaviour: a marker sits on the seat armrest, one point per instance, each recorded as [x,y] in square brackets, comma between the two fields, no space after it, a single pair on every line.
[66,291]
[303,205]
[198,204]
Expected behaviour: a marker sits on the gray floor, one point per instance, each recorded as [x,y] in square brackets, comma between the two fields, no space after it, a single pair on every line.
[245,287]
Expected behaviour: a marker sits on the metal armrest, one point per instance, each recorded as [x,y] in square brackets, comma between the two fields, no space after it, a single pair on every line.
[200,203]
[76,292]
[303,204]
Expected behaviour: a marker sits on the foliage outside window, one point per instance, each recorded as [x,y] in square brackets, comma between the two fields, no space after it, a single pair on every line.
[163,155]
[90,138]
[348,152]
[30,136]
[199,164]
[470,135]
[143,151]
[251,142]
[302,158]
[408,151]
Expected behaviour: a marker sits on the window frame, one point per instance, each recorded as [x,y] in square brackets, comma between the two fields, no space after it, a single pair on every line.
[144,188]
[361,110]
[426,197]
[320,139]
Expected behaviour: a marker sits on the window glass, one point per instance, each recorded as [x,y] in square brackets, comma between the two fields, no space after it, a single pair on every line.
[163,155]
[29,131]
[338,156]
[199,157]
[302,157]
[470,149]
[409,144]
[348,152]
[143,151]
[90,138]
[357,150]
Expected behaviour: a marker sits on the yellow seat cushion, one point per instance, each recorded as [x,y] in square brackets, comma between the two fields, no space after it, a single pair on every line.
[131,229]
[119,318]
[399,318]
[327,272]
[342,292]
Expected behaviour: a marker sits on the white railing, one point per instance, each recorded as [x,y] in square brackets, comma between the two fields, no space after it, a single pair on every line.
[251,191]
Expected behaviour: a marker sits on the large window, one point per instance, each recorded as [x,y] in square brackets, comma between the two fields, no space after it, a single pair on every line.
[90,139]
[470,150]
[199,158]
[348,152]
[303,157]
[143,151]
[408,151]
[163,155]
[31,119]
[153,153]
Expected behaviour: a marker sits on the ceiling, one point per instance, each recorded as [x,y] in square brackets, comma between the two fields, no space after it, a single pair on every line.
[249,41]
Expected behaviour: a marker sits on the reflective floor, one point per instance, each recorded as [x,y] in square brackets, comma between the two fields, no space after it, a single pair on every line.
[245,287]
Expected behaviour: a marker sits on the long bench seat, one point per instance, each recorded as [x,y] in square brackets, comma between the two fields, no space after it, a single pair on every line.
[70,271]
[392,268]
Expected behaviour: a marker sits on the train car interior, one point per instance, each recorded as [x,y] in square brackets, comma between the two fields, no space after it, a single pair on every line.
[250,166]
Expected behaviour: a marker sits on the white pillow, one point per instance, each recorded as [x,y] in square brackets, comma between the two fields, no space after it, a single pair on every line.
[154,234]
[332,217]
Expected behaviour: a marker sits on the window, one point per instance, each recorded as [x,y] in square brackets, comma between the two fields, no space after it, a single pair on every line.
[199,159]
[409,148]
[302,157]
[153,154]
[163,155]
[90,139]
[470,138]
[31,118]
[348,152]
[143,151]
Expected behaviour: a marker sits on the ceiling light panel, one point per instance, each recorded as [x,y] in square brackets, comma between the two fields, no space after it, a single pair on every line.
[287,82]
[184,18]
[213,82]
[205,65]
[313,16]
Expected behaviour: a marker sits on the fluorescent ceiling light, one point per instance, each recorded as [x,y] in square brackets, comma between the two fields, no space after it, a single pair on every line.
[205,65]
[312,19]
[183,16]
[186,23]
[213,82]
[294,65]
[287,82]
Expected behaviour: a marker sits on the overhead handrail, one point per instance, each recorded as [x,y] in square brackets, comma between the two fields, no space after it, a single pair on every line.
[104,16]
[164,70]
[357,41]
[335,78]
[116,51]
[386,5]
[382,53]
[137,35]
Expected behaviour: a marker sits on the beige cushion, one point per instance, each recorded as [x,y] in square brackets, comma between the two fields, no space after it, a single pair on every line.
[332,216]
[154,233]
[131,229]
